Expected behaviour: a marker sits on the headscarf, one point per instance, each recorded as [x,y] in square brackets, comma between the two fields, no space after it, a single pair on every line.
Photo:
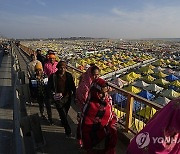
[38,66]
[83,88]
[52,56]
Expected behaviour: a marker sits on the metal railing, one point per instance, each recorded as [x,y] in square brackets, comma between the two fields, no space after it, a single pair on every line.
[18,135]
[133,111]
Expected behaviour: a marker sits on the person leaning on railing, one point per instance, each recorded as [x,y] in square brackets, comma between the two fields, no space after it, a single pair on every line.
[97,123]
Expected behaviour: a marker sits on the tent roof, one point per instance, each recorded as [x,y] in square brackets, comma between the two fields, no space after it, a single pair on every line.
[162,100]
[149,78]
[161,74]
[147,112]
[176,83]
[172,77]
[154,88]
[134,75]
[141,84]
[170,93]
[161,81]
[132,89]
[146,95]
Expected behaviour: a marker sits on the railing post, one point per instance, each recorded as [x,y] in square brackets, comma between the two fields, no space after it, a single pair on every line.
[129,111]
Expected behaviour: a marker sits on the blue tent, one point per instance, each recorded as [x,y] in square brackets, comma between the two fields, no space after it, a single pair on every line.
[173,87]
[119,100]
[103,58]
[171,77]
[137,106]
[146,95]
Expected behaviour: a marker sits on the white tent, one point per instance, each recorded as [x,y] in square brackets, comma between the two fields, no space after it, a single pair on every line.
[162,100]
[154,88]
[141,84]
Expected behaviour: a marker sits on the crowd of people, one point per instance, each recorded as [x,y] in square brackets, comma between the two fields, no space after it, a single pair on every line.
[50,83]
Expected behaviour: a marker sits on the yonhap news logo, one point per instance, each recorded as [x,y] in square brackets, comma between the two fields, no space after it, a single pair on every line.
[143,140]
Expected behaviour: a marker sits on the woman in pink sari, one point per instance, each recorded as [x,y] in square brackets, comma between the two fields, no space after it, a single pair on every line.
[85,84]
[162,133]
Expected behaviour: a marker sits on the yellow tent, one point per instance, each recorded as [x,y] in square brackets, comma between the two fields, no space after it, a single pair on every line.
[128,78]
[108,70]
[114,68]
[151,66]
[118,112]
[175,62]
[167,61]
[138,124]
[133,89]
[158,63]
[161,82]
[147,112]
[134,75]
[175,83]
[160,74]
[146,70]
[148,78]
[102,72]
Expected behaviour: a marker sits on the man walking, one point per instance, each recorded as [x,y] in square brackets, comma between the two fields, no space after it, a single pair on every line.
[62,86]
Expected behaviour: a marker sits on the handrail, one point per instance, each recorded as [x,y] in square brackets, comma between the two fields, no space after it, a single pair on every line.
[129,113]
[19,144]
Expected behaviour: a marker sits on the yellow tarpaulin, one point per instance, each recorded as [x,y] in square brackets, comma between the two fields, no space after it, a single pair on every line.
[176,83]
[147,112]
[133,89]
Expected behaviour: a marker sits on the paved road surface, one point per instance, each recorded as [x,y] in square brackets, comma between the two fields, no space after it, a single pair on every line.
[6,105]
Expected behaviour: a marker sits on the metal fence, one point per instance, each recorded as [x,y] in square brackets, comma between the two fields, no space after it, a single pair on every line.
[18,135]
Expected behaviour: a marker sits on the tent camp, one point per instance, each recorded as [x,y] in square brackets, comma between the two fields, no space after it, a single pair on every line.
[171,78]
[154,88]
[132,89]
[140,84]
[170,93]
[162,100]
[146,94]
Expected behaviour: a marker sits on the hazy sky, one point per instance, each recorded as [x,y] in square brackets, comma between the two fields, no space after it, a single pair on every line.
[90,18]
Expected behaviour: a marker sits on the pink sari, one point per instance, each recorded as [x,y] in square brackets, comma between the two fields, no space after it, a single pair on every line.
[83,88]
[162,133]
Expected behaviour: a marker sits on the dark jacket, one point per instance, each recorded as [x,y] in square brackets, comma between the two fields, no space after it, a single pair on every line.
[41,58]
[40,89]
[70,85]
